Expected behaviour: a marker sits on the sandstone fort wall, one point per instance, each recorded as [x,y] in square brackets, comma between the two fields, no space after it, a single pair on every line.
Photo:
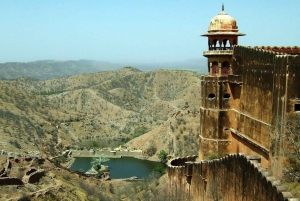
[238,113]
[234,177]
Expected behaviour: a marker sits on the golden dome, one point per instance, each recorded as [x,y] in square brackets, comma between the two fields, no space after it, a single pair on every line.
[223,23]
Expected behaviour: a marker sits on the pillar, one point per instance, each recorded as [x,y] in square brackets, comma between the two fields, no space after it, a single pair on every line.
[220,68]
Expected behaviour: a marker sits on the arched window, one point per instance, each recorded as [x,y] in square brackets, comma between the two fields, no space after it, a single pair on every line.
[225,68]
[216,44]
[225,45]
[215,68]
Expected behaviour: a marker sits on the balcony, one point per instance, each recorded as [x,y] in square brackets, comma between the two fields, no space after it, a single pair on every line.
[217,52]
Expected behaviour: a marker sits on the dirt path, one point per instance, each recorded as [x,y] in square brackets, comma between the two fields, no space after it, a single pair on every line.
[69,132]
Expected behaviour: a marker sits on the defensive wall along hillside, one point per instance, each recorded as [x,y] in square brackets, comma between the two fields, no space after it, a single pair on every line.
[247,97]
[269,94]
[243,112]
[239,113]
[235,177]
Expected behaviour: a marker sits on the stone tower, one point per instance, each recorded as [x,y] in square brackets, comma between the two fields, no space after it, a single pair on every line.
[215,90]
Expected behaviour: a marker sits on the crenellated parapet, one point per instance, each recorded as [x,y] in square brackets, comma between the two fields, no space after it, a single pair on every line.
[264,56]
[280,49]
[234,177]
[248,56]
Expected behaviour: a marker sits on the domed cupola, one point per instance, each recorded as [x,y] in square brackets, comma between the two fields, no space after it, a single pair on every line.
[222,36]
[223,23]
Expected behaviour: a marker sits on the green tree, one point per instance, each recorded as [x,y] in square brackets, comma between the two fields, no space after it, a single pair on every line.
[163,156]
[160,169]
[95,144]
[98,161]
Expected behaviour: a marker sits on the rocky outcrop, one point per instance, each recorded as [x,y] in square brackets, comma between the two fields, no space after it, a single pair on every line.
[15,166]
[33,175]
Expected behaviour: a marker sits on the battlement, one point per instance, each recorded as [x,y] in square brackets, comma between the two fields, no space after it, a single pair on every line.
[282,49]
[221,178]
[251,56]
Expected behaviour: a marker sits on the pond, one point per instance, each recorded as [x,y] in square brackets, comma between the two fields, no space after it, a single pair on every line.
[124,167]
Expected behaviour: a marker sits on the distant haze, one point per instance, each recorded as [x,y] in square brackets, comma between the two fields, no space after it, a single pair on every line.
[49,69]
[198,65]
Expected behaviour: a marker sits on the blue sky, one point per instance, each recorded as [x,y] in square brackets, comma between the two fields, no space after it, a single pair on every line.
[135,30]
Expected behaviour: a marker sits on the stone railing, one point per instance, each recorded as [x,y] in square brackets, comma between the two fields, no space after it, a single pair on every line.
[217,52]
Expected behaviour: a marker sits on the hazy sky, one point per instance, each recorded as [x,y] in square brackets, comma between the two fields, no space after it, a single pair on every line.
[135,30]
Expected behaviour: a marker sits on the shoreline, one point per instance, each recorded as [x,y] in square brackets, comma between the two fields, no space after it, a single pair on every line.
[107,154]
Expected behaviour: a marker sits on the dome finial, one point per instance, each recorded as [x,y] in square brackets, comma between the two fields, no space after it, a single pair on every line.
[222,6]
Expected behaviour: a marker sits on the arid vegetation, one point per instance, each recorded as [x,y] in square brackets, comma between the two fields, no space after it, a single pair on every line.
[151,111]
[103,109]
[289,136]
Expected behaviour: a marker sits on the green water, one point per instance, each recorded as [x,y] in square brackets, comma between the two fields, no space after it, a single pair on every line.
[124,167]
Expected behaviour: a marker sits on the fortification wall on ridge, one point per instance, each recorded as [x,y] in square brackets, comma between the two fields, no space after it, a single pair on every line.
[269,94]
[263,92]
[234,177]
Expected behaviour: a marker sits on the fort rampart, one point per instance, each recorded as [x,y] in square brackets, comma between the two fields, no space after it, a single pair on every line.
[235,177]
[269,94]
[239,113]
[247,99]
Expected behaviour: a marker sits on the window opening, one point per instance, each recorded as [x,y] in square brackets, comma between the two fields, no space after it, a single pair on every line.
[226,96]
[297,107]
[211,96]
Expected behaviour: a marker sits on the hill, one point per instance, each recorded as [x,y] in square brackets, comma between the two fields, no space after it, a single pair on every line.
[149,111]
[51,69]
[102,109]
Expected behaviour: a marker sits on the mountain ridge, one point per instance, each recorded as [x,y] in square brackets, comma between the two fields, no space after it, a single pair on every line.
[51,69]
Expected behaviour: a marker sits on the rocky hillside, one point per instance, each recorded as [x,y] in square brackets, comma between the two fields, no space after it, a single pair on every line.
[26,123]
[104,109]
